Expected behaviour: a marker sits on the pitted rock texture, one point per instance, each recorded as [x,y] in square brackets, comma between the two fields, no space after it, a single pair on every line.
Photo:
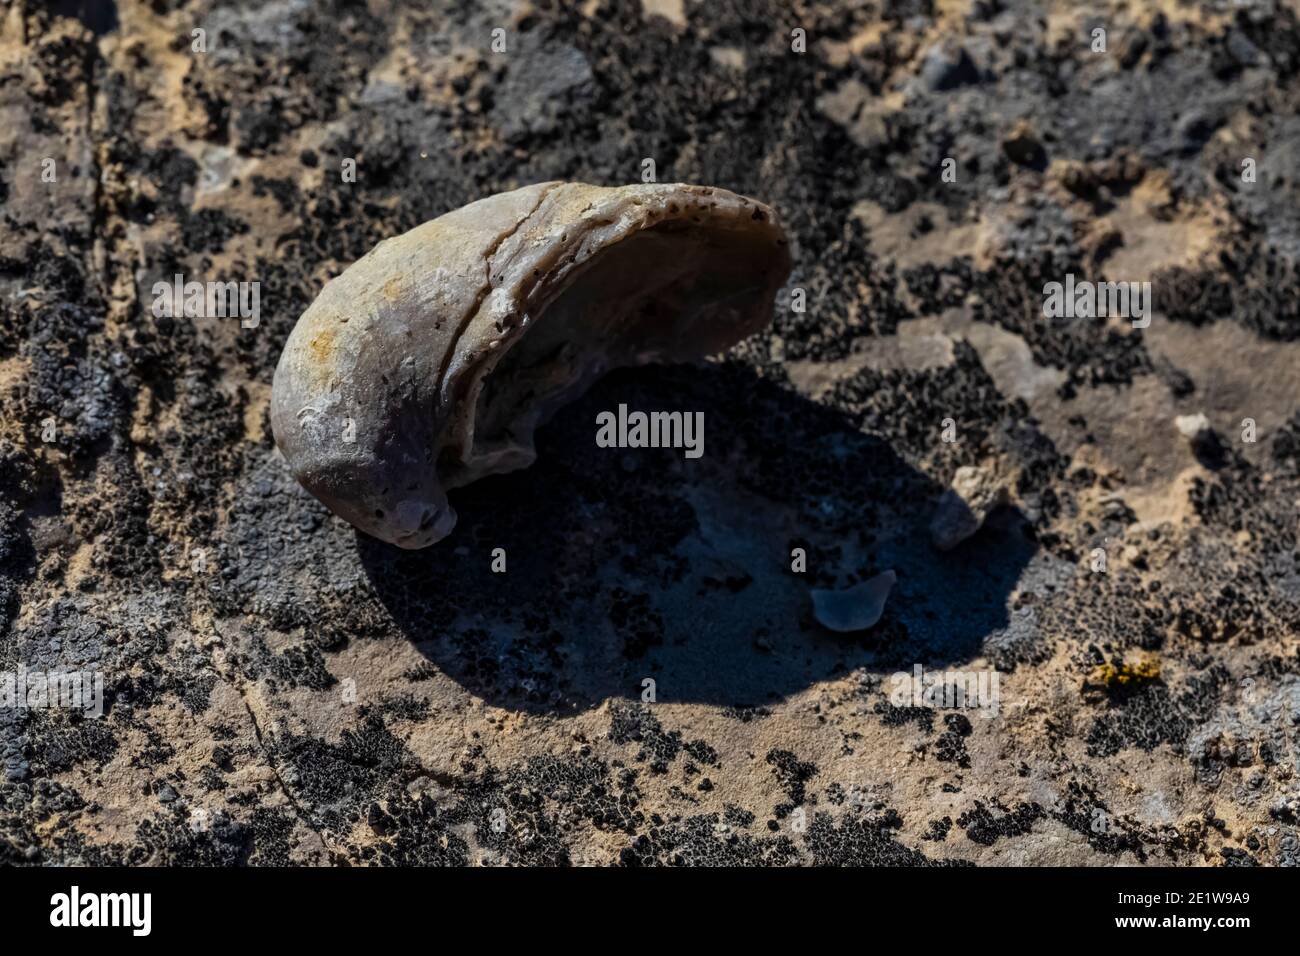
[645,683]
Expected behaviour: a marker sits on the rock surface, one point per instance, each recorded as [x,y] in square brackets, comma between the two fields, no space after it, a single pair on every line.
[644,682]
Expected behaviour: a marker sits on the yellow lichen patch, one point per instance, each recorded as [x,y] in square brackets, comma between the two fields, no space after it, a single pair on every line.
[259,400]
[143,418]
[13,375]
[322,346]
[1125,675]
[393,288]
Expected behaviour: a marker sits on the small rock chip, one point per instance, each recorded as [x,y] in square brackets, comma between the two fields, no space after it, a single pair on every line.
[856,608]
[1023,147]
[974,494]
[1192,426]
[947,66]
[1206,445]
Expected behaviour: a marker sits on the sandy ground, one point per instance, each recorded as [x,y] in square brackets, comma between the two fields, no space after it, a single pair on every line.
[647,683]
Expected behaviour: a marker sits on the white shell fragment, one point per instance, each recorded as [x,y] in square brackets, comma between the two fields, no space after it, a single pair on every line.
[1192,426]
[856,608]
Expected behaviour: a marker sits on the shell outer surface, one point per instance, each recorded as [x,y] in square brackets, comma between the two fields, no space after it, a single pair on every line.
[374,399]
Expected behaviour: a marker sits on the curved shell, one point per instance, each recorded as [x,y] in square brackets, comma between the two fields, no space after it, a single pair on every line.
[430,361]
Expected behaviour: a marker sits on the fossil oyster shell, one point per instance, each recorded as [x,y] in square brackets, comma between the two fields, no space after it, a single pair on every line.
[430,361]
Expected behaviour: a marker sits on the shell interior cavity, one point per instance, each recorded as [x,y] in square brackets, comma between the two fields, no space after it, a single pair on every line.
[430,362]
